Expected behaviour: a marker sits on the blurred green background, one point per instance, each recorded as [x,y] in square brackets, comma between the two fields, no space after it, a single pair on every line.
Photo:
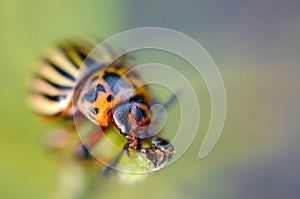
[256,46]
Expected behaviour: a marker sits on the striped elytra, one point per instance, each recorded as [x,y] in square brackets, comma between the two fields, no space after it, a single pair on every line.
[52,86]
[76,77]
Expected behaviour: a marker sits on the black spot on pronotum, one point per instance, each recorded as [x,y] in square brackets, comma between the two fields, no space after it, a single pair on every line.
[90,96]
[112,79]
[101,88]
[110,98]
[95,111]
[139,114]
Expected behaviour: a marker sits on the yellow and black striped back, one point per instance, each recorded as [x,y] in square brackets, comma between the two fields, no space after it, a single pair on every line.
[51,88]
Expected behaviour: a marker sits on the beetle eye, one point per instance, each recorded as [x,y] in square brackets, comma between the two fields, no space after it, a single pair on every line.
[120,118]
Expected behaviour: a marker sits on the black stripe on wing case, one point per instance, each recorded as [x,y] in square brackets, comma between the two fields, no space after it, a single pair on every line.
[69,57]
[56,98]
[58,86]
[86,59]
[60,71]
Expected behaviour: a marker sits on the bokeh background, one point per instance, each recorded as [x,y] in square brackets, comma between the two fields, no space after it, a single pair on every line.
[256,46]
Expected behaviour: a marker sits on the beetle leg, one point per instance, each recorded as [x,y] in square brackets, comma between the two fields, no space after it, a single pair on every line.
[89,143]
[172,99]
[107,171]
[84,153]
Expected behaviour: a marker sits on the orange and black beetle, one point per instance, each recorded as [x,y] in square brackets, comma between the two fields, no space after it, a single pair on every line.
[107,93]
